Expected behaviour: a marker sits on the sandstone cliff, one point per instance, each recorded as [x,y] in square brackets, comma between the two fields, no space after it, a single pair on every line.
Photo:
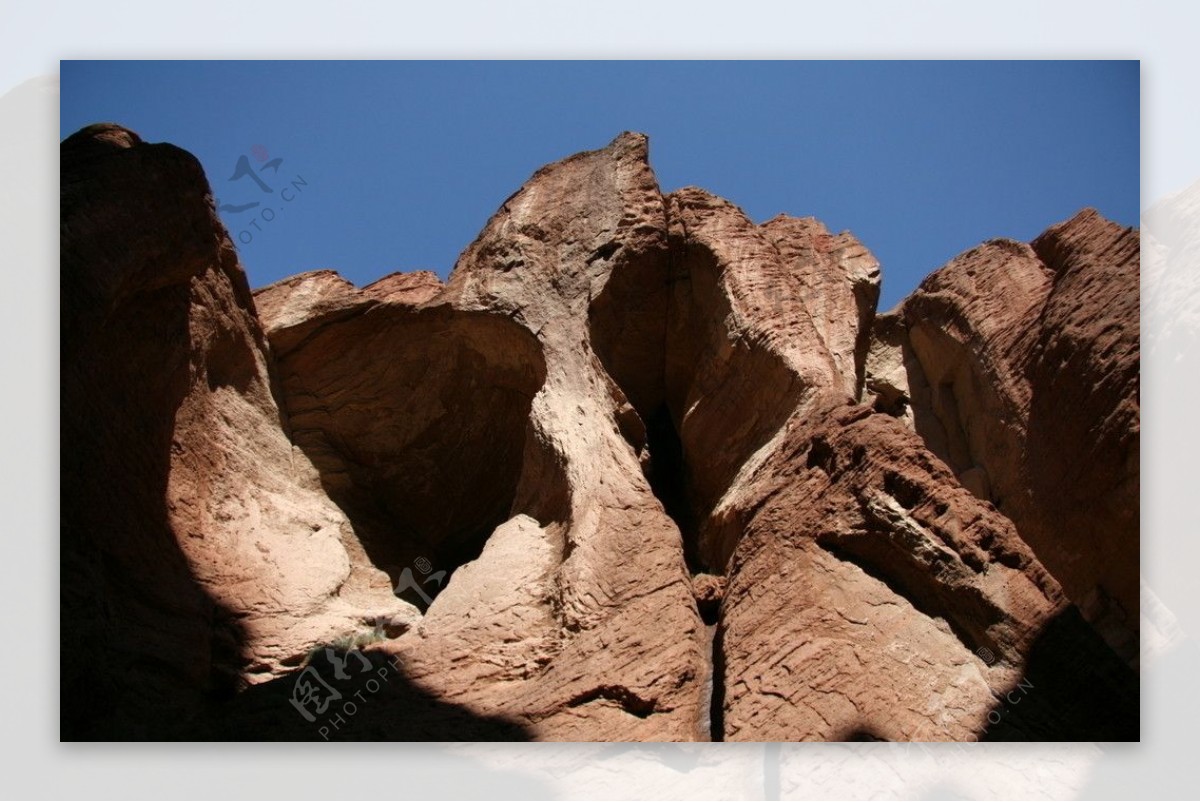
[641,469]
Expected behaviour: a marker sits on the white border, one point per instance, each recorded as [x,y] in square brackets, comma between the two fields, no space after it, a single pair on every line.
[34,37]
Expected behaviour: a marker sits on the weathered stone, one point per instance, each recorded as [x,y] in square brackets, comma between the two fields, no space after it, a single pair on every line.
[199,552]
[476,429]
[406,288]
[835,279]
[1018,366]
[871,594]
[639,470]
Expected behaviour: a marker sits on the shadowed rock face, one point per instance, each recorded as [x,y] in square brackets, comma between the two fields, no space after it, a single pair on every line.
[1019,366]
[641,469]
[416,420]
[199,553]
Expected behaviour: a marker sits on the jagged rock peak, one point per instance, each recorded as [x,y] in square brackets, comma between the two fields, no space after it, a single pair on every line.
[641,469]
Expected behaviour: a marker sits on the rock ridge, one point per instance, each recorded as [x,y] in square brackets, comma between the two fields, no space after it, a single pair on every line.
[639,469]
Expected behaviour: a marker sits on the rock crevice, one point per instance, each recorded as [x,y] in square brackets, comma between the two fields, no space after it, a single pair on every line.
[640,469]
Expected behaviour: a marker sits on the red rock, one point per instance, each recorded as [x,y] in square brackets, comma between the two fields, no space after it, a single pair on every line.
[639,470]
[408,288]
[1020,368]
[836,280]
[1084,467]
[199,551]
[477,430]
[873,595]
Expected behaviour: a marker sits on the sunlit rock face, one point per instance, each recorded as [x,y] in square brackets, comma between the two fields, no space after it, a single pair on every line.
[640,469]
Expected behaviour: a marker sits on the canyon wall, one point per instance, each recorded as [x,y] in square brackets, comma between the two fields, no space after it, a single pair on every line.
[640,469]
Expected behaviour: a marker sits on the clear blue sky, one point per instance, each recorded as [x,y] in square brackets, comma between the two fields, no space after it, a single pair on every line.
[403,162]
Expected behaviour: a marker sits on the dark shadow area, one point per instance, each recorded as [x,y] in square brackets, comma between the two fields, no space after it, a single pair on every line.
[659,329]
[861,735]
[627,326]
[417,422]
[717,703]
[145,652]
[1074,688]
[727,398]
[710,610]
[667,474]
[355,696]
[141,643]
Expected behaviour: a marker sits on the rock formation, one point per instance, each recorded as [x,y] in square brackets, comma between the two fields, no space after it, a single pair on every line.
[641,469]
[199,550]
[1019,367]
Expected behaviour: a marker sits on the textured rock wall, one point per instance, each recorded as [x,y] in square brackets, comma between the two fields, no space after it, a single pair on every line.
[1019,367]
[480,427]
[641,469]
[199,553]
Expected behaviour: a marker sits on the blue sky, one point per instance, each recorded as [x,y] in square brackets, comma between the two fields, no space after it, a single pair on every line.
[402,163]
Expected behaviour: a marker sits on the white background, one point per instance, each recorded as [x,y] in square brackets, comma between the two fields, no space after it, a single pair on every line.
[33,37]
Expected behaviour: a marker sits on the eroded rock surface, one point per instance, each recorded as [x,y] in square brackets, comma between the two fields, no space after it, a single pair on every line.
[641,469]
[199,552]
[1019,367]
